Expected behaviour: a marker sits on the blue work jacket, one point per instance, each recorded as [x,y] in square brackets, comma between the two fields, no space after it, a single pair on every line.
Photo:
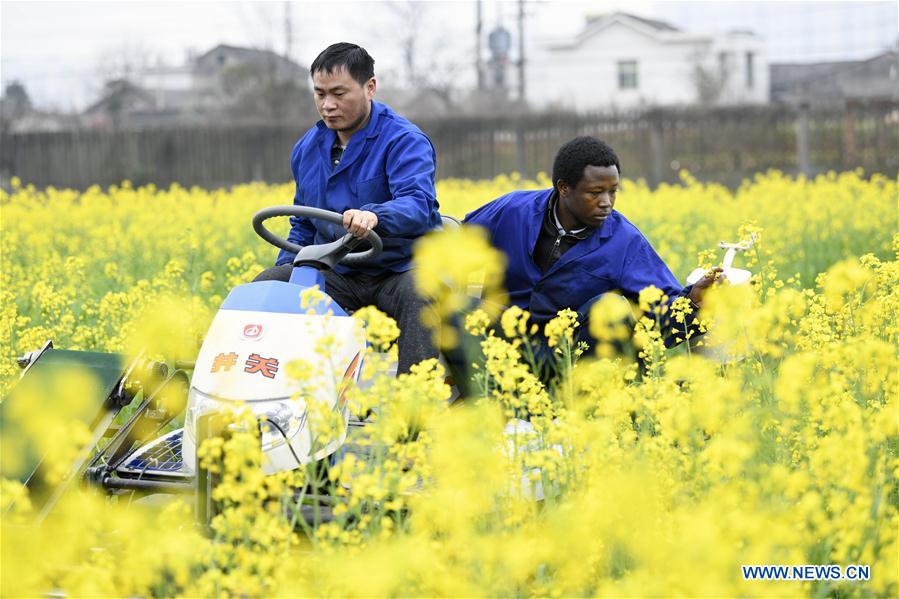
[615,257]
[388,168]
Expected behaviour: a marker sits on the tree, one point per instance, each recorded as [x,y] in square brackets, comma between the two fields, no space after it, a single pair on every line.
[126,61]
[710,82]
[119,70]
[409,16]
[272,92]
[428,61]
[16,102]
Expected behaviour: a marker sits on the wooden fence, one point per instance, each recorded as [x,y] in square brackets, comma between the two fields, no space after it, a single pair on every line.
[725,145]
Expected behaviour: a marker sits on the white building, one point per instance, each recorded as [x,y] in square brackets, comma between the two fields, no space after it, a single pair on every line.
[622,61]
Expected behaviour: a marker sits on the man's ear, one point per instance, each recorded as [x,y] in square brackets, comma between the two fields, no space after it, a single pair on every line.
[563,187]
[370,87]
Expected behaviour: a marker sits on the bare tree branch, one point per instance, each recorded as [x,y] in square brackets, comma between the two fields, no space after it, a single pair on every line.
[430,61]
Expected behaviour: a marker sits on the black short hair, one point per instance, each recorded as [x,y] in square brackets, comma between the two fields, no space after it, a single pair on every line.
[354,58]
[579,153]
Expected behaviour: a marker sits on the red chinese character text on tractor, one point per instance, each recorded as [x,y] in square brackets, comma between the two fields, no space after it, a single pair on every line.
[267,366]
[224,362]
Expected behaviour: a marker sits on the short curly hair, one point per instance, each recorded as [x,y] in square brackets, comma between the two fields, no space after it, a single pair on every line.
[579,153]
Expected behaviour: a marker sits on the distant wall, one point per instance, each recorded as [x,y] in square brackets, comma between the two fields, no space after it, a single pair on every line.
[725,145]
[209,157]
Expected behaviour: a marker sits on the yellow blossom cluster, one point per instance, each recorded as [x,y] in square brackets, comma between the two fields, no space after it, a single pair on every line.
[773,439]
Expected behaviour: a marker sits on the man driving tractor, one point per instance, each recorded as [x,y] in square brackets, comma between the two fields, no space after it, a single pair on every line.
[377,169]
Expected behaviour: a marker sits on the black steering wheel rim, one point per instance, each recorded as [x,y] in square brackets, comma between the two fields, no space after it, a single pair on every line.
[348,241]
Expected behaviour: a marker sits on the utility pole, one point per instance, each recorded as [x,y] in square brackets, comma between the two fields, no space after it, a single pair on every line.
[520,141]
[288,31]
[802,139]
[521,84]
[478,29]
[802,133]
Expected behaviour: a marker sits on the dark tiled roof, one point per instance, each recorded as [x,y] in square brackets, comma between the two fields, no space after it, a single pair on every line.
[873,77]
[654,23]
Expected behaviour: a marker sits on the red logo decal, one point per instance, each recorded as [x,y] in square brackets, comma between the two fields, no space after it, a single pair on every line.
[252,331]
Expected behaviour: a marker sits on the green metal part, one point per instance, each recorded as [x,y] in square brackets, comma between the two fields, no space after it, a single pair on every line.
[57,386]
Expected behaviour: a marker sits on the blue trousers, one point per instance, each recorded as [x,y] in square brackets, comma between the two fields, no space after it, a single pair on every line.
[468,350]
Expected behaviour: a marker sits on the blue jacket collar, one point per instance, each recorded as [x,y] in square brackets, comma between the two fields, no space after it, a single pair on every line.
[590,243]
[357,141]
[535,222]
[373,128]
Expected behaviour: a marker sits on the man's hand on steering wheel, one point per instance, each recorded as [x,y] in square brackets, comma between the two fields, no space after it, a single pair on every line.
[359,223]
[330,253]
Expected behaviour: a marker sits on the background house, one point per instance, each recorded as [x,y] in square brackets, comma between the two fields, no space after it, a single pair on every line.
[247,81]
[623,61]
[827,83]
[120,100]
[227,84]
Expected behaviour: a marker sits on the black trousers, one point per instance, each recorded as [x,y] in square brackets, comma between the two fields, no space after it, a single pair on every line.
[391,292]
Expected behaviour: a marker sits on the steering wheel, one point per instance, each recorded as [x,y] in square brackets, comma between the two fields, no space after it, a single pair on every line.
[327,253]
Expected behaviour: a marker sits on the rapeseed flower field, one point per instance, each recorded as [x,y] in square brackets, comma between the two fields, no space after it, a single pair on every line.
[655,477]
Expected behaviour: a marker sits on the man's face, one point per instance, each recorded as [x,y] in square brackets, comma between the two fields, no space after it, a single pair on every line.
[342,103]
[590,202]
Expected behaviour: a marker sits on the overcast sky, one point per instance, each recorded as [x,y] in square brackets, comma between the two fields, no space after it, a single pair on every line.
[60,50]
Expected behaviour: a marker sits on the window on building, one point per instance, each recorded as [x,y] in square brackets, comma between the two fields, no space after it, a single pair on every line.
[627,74]
[750,75]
